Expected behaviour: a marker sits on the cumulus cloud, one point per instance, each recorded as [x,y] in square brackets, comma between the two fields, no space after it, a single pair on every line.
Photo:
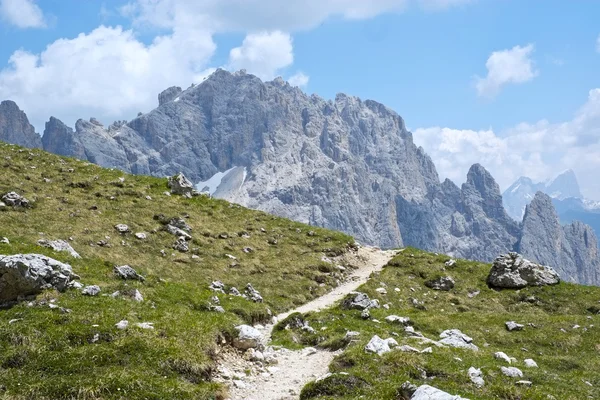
[107,73]
[539,150]
[22,13]
[299,79]
[263,54]
[506,66]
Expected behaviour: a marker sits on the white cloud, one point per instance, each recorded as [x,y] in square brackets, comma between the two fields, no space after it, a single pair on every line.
[506,66]
[107,74]
[110,74]
[263,54]
[539,150]
[22,13]
[299,79]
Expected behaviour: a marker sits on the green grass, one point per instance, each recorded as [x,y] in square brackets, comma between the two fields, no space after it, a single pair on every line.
[566,359]
[50,355]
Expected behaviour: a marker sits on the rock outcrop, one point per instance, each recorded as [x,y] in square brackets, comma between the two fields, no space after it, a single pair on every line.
[15,127]
[512,271]
[29,274]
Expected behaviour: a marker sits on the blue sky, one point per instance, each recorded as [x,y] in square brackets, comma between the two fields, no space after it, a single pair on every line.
[536,116]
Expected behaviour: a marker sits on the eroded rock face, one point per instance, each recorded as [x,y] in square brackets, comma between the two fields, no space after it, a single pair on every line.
[15,127]
[512,271]
[29,274]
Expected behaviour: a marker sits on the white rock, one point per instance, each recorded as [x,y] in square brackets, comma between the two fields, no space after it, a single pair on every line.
[145,325]
[408,349]
[455,338]
[529,363]
[248,337]
[513,326]
[123,324]
[92,290]
[137,296]
[426,392]
[239,384]
[122,228]
[141,235]
[59,245]
[427,350]
[397,319]
[381,290]
[512,372]
[525,383]
[391,342]
[377,345]
[476,376]
[502,356]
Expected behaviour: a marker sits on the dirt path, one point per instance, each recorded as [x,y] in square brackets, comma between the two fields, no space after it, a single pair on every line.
[284,380]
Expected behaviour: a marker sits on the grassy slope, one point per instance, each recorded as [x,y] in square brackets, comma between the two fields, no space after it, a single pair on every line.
[49,355]
[565,359]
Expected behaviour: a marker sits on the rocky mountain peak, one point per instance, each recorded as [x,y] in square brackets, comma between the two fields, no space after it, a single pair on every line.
[15,127]
[168,95]
[564,185]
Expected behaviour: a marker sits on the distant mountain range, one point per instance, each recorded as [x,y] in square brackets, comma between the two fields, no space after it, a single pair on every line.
[566,197]
[345,164]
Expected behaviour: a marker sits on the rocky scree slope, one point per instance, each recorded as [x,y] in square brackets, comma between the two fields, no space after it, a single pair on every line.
[133,314]
[345,164]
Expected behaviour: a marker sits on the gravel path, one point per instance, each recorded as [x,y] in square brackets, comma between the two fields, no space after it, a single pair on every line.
[294,369]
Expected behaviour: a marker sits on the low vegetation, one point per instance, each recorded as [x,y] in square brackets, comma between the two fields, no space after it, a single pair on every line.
[561,335]
[74,351]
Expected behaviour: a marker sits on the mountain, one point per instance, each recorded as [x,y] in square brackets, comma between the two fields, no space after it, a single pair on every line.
[571,249]
[344,164]
[520,193]
[15,127]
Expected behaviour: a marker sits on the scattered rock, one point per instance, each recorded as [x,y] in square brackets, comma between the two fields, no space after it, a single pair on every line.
[513,326]
[173,230]
[122,228]
[15,200]
[450,263]
[4,240]
[444,283]
[141,236]
[126,272]
[92,290]
[29,274]
[529,363]
[408,349]
[59,245]
[123,324]
[145,325]
[358,300]
[218,286]
[253,294]
[525,383]
[180,185]
[473,293]
[137,296]
[426,392]
[502,356]
[377,345]
[512,271]
[512,372]
[455,338]
[365,314]
[397,319]
[248,337]
[181,245]
[476,376]
[381,290]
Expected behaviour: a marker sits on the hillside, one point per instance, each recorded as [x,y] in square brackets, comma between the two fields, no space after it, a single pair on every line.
[560,335]
[66,345]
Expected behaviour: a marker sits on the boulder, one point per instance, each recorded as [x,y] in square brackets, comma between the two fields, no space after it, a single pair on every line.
[529,363]
[29,274]
[499,355]
[513,326]
[512,372]
[59,245]
[426,392]
[377,345]
[92,290]
[512,271]
[179,184]
[15,200]
[358,301]
[455,338]
[122,228]
[247,338]
[476,376]
[126,272]
[444,283]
